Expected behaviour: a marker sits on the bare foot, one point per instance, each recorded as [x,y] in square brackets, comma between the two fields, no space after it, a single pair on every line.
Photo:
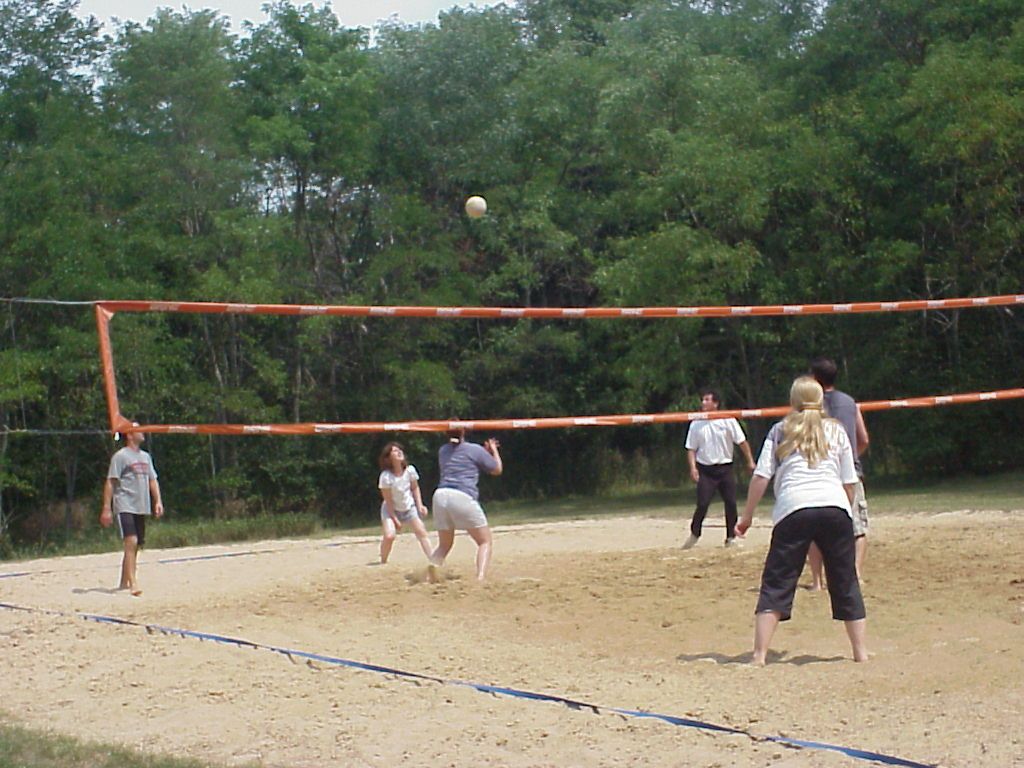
[136,592]
[432,574]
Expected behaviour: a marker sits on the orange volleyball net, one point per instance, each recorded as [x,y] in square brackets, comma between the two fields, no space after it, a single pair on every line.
[105,311]
[555,313]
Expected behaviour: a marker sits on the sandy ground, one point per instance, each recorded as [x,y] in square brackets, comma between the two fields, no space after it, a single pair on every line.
[608,611]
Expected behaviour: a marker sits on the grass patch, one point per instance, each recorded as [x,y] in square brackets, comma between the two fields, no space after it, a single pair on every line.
[25,748]
[664,502]
[189,533]
[990,492]
[170,533]
[1001,492]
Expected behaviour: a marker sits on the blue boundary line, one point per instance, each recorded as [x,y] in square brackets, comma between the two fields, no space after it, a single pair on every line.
[195,558]
[495,690]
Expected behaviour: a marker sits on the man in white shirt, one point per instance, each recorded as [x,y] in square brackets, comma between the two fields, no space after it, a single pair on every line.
[709,450]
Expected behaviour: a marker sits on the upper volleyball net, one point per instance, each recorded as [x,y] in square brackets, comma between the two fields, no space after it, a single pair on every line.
[106,310]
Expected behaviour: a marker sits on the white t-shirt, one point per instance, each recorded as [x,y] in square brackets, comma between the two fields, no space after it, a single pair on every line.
[798,486]
[713,440]
[401,487]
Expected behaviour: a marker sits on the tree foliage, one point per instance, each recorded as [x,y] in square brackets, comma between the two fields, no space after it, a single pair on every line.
[633,153]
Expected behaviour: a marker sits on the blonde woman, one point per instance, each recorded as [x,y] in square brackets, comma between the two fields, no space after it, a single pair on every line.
[812,462]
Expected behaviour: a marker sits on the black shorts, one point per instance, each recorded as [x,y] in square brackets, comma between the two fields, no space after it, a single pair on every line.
[832,530]
[132,525]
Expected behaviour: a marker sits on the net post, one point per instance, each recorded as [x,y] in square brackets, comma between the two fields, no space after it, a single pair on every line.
[103,316]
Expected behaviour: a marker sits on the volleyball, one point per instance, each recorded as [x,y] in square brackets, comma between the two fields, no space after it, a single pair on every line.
[476,207]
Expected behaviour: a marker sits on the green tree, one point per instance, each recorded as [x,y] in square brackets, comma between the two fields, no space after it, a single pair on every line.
[307,87]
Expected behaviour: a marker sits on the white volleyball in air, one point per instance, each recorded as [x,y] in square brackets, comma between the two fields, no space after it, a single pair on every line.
[476,207]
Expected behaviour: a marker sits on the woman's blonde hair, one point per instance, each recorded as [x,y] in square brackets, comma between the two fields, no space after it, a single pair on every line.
[803,429]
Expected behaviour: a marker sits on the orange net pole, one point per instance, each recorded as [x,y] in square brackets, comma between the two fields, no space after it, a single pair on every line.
[117,422]
[550,313]
[317,428]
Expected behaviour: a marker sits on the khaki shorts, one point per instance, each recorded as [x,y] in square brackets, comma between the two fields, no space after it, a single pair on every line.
[455,509]
[860,511]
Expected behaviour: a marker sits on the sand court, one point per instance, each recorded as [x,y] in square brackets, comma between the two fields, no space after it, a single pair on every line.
[608,611]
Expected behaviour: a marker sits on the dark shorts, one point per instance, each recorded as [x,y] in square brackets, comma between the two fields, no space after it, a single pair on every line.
[832,530]
[132,525]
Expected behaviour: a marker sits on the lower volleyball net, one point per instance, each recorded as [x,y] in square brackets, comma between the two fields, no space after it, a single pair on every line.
[252,390]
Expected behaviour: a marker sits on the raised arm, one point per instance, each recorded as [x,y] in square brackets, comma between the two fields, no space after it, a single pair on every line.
[491,447]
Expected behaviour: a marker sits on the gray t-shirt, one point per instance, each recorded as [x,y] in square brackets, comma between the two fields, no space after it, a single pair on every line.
[841,407]
[131,470]
[461,464]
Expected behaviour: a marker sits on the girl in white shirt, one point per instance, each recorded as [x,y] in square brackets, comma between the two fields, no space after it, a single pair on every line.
[811,459]
[402,501]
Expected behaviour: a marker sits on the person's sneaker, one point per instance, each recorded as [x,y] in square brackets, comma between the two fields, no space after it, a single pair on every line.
[733,542]
[691,542]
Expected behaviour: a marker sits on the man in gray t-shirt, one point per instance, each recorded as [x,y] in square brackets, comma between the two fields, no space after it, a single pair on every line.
[132,492]
[843,408]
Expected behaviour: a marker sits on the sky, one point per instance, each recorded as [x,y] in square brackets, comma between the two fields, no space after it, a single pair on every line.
[351,13]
